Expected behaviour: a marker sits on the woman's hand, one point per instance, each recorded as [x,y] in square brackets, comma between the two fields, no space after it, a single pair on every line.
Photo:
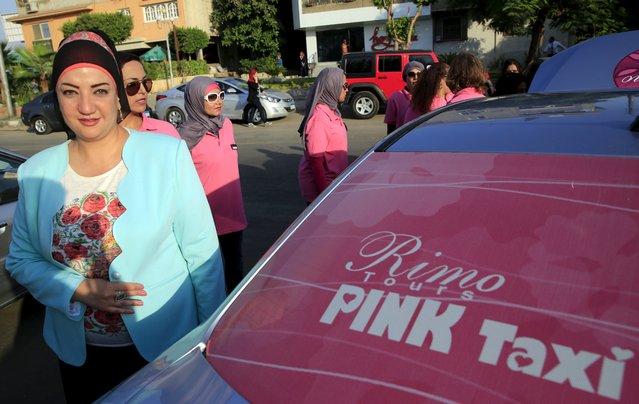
[112,297]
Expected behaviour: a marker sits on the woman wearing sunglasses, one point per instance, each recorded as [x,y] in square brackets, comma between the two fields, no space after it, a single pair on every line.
[137,86]
[399,101]
[209,137]
[323,134]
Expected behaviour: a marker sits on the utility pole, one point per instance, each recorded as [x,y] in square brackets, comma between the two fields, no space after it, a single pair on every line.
[5,85]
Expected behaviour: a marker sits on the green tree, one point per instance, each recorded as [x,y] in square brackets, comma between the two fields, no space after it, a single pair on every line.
[191,39]
[400,29]
[33,65]
[117,26]
[583,18]
[250,25]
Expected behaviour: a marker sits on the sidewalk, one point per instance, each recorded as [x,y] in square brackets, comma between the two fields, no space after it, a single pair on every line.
[13,123]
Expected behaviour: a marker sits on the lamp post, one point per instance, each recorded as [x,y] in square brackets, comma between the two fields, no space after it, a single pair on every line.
[166,22]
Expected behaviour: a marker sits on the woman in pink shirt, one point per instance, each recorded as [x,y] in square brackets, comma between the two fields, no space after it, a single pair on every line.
[430,93]
[209,137]
[399,101]
[323,134]
[137,86]
[466,78]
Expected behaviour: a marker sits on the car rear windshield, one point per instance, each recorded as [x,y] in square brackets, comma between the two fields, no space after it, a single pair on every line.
[359,65]
[576,124]
[426,60]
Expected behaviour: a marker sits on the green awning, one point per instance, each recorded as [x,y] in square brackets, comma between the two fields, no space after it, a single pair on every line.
[155,54]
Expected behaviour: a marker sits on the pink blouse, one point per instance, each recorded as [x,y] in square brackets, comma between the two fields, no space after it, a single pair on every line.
[216,163]
[326,154]
[155,125]
[398,104]
[466,94]
[438,102]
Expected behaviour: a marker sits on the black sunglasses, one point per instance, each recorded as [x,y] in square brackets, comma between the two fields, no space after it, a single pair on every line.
[133,87]
[345,86]
[212,97]
[413,74]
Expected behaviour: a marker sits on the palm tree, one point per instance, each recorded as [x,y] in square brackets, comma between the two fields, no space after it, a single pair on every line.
[35,64]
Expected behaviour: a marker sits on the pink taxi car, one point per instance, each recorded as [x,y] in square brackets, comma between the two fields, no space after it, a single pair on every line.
[487,252]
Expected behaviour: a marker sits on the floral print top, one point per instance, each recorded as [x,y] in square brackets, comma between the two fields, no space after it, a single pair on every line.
[83,240]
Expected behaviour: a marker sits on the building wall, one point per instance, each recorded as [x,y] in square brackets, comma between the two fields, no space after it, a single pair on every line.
[53,13]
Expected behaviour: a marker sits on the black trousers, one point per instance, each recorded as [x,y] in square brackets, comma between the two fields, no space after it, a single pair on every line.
[104,369]
[260,108]
[231,247]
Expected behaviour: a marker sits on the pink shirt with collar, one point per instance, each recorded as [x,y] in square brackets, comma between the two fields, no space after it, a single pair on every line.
[438,102]
[216,163]
[467,93]
[157,126]
[326,140]
[398,103]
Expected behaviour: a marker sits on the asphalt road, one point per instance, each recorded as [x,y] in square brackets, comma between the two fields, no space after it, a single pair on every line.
[268,170]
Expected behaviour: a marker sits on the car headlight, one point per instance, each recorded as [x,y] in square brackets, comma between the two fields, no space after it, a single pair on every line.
[270,98]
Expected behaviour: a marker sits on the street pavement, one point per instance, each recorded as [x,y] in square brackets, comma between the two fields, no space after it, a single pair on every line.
[268,170]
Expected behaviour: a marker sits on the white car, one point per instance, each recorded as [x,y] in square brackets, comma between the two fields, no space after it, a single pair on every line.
[10,290]
[169,104]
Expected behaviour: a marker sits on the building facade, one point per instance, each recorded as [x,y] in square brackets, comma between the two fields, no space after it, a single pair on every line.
[327,23]
[441,28]
[42,20]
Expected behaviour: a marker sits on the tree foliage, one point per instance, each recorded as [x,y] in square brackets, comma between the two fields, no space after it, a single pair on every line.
[400,29]
[582,18]
[116,25]
[33,65]
[191,39]
[250,25]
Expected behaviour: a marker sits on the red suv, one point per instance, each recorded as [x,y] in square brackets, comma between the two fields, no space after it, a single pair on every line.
[374,76]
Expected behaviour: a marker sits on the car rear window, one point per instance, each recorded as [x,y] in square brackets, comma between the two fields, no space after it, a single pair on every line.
[390,63]
[359,65]
[579,124]
[426,60]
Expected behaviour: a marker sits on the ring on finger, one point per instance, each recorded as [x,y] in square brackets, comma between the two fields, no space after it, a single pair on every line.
[120,295]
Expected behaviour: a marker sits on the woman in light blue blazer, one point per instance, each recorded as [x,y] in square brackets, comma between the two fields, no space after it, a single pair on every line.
[113,232]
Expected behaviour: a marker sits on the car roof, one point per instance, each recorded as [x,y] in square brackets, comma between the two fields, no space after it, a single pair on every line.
[565,123]
[388,52]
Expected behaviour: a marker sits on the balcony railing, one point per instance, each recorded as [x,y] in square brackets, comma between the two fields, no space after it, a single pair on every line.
[311,3]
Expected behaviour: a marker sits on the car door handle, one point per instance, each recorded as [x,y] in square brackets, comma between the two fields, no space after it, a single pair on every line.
[3,226]
[383,77]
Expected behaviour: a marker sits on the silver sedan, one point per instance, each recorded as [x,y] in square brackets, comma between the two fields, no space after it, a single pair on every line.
[169,104]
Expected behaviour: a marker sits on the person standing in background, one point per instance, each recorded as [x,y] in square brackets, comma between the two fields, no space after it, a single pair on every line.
[279,60]
[466,78]
[303,65]
[137,87]
[553,47]
[344,47]
[209,136]
[254,98]
[323,134]
[431,91]
[112,232]
[399,101]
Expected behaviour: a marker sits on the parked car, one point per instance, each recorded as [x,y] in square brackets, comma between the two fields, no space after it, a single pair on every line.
[169,104]
[10,290]
[485,252]
[373,76]
[40,115]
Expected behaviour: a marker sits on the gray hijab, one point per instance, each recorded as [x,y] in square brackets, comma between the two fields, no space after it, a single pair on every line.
[326,90]
[412,66]
[198,122]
